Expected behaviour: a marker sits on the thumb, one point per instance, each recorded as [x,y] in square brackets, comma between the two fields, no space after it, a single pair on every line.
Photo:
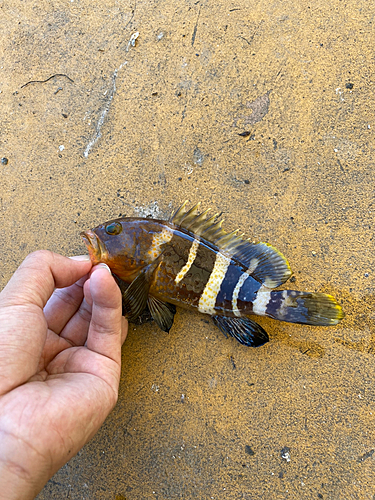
[104,336]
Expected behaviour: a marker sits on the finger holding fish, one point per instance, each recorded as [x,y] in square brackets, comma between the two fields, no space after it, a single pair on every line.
[107,330]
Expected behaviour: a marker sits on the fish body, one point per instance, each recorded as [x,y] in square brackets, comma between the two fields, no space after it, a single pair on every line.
[189,261]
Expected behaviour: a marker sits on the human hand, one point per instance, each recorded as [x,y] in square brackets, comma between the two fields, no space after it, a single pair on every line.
[60,363]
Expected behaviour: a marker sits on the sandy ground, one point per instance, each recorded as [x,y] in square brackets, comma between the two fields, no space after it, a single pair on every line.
[263,111]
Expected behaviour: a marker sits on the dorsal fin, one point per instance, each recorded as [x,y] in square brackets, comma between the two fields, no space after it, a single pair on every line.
[198,224]
[264,262]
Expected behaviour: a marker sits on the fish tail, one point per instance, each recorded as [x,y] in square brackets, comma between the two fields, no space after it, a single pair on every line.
[317,309]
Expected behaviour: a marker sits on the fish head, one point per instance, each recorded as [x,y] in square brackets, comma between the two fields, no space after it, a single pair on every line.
[121,244]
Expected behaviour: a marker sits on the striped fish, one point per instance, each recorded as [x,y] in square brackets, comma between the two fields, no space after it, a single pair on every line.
[190,261]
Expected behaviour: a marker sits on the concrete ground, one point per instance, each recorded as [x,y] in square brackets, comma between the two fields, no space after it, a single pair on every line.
[263,111]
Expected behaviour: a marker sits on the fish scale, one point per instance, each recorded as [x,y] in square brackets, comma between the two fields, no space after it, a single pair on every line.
[191,262]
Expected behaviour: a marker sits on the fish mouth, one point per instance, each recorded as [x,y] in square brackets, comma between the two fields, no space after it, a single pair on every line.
[95,247]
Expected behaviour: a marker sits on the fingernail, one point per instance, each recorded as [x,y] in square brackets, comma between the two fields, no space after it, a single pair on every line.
[82,258]
[101,265]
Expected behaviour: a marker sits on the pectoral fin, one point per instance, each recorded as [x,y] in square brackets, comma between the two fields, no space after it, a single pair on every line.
[134,296]
[162,312]
[144,317]
[246,331]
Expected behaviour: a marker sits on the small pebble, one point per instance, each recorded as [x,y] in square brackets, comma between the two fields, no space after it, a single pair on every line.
[313,254]
[285,453]
[4,161]
[249,450]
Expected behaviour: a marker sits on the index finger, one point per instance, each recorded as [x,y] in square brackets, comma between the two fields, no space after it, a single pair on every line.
[23,325]
[39,274]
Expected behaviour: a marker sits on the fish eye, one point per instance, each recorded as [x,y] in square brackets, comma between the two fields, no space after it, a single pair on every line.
[113,228]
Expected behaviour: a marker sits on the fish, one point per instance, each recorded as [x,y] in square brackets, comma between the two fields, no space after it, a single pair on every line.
[189,261]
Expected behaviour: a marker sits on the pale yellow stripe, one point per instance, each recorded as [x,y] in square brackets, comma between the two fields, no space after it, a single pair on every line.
[189,263]
[208,298]
[285,304]
[261,302]
[236,292]
[159,239]
[253,265]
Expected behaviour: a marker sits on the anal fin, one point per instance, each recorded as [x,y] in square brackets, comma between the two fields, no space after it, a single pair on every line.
[245,330]
[162,312]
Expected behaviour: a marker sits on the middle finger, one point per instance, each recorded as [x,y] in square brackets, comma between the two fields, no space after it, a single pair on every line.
[63,304]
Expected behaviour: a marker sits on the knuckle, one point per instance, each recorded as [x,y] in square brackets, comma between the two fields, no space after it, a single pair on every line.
[39,256]
[69,295]
[85,312]
[107,329]
[40,260]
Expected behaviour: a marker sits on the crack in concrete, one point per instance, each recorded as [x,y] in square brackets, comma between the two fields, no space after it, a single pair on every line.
[195,28]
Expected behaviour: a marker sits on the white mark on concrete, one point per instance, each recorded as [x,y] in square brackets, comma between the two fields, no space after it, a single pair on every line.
[103,114]
[340,92]
[111,93]
[188,168]
[151,210]
[61,148]
[131,42]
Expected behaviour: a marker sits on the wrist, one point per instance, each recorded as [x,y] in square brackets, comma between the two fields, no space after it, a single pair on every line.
[16,482]
[23,472]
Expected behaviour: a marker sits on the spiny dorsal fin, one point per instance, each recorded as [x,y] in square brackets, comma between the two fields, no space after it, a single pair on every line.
[264,262]
[179,214]
[198,223]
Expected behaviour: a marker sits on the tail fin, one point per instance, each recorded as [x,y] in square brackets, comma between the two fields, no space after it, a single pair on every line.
[317,309]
